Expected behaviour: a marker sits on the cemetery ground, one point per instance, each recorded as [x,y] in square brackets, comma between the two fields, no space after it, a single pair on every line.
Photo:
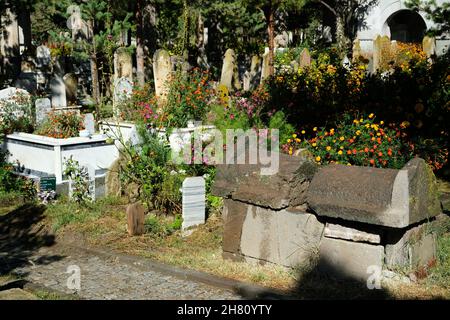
[88,233]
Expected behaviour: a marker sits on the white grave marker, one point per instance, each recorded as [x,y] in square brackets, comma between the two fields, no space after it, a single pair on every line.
[194,199]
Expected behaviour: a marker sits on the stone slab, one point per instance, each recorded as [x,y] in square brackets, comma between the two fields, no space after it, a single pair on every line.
[337,231]
[281,237]
[349,260]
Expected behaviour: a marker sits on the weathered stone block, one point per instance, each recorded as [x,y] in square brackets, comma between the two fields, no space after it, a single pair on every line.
[280,237]
[287,188]
[387,197]
[412,248]
[347,259]
[233,218]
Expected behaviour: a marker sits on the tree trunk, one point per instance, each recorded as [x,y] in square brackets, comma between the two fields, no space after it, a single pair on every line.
[140,51]
[341,38]
[270,17]
[94,70]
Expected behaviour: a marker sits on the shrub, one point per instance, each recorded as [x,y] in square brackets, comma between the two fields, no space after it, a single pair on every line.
[17,115]
[360,141]
[188,98]
[80,181]
[61,125]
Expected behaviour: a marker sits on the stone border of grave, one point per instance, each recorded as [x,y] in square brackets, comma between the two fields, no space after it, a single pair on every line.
[42,157]
[349,222]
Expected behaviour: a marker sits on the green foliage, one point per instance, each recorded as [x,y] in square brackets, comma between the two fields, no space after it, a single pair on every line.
[188,98]
[439,14]
[80,181]
[61,125]
[11,183]
[159,226]
[17,115]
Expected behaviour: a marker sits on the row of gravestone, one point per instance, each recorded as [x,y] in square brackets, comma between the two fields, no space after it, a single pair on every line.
[383,45]
[259,70]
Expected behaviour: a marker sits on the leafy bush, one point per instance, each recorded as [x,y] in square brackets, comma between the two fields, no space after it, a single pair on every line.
[188,98]
[80,181]
[61,125]
[360,141]
[10,182]
[17,115]
[414,92]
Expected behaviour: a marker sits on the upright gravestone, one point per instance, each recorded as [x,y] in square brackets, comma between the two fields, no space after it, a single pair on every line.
[123,88]
[162,70]
[71,83]
[265,66]
[135,219]
[43,107]
[89,123]
[193,192]
[357,52]
[380,47]
[43,56]
[58,92]
[230,76]
[255,72]
[247,79]
[305,58]
[123,64]
[429,46]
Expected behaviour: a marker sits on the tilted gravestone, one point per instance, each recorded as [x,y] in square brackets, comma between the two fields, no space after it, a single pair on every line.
[230,76]
[255,72]
[194,206]
[265,66]
[43,107]
[71,83]
[135,219]
[162,71]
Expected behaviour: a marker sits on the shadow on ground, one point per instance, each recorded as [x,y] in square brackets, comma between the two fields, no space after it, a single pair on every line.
[324,282]
[22,234]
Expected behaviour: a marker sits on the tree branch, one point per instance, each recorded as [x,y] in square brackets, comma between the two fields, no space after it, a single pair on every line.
[328,7]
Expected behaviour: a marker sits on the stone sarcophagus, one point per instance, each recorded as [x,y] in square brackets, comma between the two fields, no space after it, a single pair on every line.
[348,220]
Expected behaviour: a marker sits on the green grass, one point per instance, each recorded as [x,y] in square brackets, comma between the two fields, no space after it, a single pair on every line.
[65,212]
[441,273]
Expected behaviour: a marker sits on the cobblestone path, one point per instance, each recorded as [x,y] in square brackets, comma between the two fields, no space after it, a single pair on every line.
[106,277]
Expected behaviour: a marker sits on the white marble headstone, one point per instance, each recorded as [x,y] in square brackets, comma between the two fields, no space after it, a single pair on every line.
[89,123]
[123,88]
[194,202]
[43,107]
